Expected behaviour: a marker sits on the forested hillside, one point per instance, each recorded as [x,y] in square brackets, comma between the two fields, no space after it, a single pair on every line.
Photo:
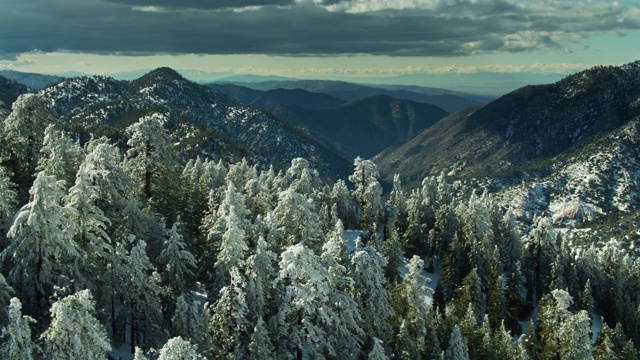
[136,250]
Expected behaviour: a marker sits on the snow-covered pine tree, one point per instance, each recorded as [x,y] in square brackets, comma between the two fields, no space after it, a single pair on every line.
[60,155]
[104,168]
[229,325]
[370,292]
[177,264]
[149,154]
[296,215]
[74,332]
[24,133]
[344,203]
[5,296]
[377,353]
[347,335]
[368,193]
[457,349]
[142,297]
[16,341]
[261,273]
[306,316]
[261,347]
[178,348]
[42,251]
[8,201]
[189,322]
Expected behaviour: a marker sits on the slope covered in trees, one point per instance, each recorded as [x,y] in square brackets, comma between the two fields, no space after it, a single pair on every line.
[122,255]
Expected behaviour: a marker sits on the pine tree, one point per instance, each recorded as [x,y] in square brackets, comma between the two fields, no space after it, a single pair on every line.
[368,192]
[142,297]
[177,263]
[104,169]
[344,203]
[306,317]
[24,134]
[229,325]
[60,156]
[457,349]
[260,347]
[179,349]
[188,322]
[377,353]
[8,202]
[297,217]
[42,249]
[16,341]
[369,291]
[260,274]
[74,333]
[149,155]
[5,296]
[496,301]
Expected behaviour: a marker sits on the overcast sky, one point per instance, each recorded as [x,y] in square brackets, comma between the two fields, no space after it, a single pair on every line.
[319,38]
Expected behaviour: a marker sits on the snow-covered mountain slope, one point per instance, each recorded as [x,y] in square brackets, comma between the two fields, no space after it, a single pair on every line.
[203,120]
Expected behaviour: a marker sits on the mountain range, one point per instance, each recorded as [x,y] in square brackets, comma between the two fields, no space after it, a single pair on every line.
[567,149]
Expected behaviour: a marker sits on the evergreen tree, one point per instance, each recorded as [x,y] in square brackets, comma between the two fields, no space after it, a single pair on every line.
[344,204]
[60,156]
[142,297]
[24,134]
[457,349]
[42,250]
[377,353]
[149,155]
[179,349]
[177,264]
[307,320]
[260,347]
[369,291]
[5,296]
[469,294]
[74,333]
[8,202]
[496,301]
[297,217]
[404,346]
[188,322]
[368,192]
[16,341]
[229,325]
[260,274]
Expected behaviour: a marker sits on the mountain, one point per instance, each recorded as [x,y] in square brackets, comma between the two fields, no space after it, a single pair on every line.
[272,98]
[32,80]
[203,121]
[9,92]
[568,149]
[448,100]
[366,126]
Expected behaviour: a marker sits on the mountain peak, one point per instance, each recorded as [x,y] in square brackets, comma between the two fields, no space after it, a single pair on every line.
[159,75]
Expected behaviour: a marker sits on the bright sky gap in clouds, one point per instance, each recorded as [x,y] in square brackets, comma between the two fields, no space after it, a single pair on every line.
[370,40]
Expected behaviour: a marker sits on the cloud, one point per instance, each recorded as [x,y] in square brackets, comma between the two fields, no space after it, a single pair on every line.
[305,27]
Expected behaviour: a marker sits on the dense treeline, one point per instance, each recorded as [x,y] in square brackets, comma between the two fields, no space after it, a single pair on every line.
[106,246]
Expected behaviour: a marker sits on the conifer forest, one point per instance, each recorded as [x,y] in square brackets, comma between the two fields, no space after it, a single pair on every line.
[126,248]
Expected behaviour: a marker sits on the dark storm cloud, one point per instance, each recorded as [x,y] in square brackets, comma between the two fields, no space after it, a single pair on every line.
[302,27]
[202,4]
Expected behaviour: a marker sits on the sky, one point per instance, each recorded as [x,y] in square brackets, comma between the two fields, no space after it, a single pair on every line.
[490,45]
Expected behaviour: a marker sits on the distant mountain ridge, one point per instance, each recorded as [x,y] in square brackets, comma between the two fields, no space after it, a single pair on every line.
[32,80]
[10,90]
[203,121]
[523,127]
[446,99]
[366,126]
